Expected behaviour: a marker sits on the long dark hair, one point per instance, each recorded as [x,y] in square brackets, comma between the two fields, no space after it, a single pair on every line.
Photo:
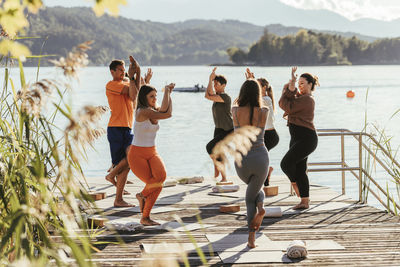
[311,79]
[263,82]
[249,95]
[142,96]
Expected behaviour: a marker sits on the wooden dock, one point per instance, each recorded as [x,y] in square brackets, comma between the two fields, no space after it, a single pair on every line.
[337,229]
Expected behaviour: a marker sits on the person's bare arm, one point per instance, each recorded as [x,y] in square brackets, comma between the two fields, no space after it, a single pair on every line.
[134,79]
[133,90]
[209,90]
[292,82]
[155,115]
[209,93]
[166,99]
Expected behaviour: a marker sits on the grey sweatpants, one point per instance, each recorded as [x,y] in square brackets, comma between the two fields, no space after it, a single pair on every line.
[253,172]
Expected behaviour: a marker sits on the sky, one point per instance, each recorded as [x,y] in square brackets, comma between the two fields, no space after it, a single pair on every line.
[177,10]
[353,9]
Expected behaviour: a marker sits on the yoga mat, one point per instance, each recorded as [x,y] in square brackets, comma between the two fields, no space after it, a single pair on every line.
[236,242]
[319,207]
[155,209]
[176,226]
[174,248]
[254,257]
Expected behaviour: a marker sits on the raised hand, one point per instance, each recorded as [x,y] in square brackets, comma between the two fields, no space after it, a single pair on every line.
[212,75]
[292,82]
[148,76]
[170,87]
[294,75]
[133,67]
[249,74]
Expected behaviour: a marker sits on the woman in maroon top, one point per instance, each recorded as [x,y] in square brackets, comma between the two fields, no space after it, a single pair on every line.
[299,106]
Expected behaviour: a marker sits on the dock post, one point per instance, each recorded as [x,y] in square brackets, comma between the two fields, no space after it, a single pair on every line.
[343,165]
[360,173]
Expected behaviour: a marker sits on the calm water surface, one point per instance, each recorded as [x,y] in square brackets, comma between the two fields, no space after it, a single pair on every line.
[181,140]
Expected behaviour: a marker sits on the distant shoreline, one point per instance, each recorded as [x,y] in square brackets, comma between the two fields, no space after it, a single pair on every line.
[289,65]
[233,65]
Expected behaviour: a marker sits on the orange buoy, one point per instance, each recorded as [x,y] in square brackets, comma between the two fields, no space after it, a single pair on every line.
[350,94]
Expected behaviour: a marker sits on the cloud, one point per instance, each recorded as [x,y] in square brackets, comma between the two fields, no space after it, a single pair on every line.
[353,9]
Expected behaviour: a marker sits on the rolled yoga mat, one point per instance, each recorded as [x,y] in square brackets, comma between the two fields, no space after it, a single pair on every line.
[273,212]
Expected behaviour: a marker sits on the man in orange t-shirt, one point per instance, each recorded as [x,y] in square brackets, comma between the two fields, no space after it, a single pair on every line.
[121,95]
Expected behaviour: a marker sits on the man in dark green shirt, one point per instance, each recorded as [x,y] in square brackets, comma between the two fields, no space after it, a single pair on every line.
[222,113]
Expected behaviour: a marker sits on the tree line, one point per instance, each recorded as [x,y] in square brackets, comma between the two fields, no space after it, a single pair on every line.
[311,48]
[153,43]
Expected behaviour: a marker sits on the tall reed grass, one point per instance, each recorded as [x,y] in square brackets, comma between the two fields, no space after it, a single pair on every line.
[387,154]
[41,180]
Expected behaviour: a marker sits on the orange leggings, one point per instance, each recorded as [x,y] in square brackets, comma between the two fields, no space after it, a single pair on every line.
[146,164]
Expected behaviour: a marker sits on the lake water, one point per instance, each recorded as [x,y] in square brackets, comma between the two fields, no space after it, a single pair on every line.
[181,140]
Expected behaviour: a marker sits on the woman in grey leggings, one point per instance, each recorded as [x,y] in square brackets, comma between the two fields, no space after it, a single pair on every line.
[254,167]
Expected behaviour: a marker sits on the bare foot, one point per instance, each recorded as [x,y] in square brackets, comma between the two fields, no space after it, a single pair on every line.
[216,171]
[112,167]
[141,200]
[301,206]
[145,221]
[148,222]
[122,203]
[154,222]
[252,239]
[111,180]
[257,220]
[223,180]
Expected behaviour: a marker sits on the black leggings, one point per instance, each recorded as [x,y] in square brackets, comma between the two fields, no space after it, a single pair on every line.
[303,142]
[271,139]
[219,134]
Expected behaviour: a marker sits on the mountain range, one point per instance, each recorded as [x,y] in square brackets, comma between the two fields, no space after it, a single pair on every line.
[153,43]
[258,12]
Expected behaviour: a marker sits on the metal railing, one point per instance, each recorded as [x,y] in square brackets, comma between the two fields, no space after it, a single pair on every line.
[358,171]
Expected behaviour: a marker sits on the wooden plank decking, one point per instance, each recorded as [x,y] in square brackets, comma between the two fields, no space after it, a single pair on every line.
[370,237]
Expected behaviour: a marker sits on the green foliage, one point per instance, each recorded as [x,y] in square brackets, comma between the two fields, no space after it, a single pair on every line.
[311,48]
[190,42]
[13,21]
[237,55]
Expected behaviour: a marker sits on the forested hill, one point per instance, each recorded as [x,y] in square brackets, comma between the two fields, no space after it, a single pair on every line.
[183,43]
[189,42]
[311,48]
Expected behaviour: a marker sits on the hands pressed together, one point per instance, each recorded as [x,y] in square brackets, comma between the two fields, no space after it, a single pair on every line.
[212,75]
[249,74]
[169,87]
[134,68]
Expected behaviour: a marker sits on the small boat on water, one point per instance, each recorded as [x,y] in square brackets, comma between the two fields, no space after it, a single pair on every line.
[195,89]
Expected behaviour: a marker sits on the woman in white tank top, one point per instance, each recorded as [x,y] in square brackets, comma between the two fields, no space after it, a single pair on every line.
[271,137]
[143,158]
